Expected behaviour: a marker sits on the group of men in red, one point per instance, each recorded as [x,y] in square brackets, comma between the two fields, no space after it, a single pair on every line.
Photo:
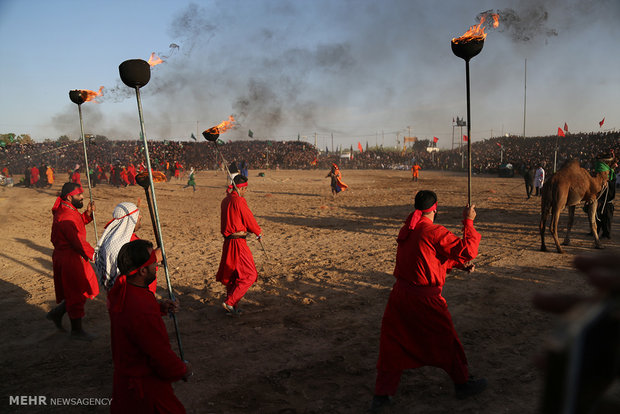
[144,364]
[416,330]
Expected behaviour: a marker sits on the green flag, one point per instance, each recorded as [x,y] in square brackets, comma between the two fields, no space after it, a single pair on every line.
[193,137]
[250,134]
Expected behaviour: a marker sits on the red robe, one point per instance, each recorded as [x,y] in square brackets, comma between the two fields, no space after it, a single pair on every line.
[417,328]
[144,363]
[237,269]
[34,175]
[131,173]
[75,178]
[74,277]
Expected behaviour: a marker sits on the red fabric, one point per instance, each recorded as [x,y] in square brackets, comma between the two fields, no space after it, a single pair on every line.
[435,139]
[415,169]
[34,175]
[359,147]
[237,269]
[144,363]
[565,127]
[465,138]
[417,328]
[75,178]
[131,173]
[600,124]
[74,277]
[560,132]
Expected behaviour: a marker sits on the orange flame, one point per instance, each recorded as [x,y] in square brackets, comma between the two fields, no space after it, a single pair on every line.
[223,126]
[476,32]
[90,95]
[154,60]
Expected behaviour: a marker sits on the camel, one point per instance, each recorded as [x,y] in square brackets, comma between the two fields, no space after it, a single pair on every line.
[568,187]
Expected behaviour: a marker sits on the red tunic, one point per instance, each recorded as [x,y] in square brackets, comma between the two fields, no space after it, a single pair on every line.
[236,255]
[75,178]
[144,363]
[74,277]
[34,175]
[417,328]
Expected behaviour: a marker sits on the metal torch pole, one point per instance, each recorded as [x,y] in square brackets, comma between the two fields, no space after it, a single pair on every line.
[468,136]
[156,213]
[90,190]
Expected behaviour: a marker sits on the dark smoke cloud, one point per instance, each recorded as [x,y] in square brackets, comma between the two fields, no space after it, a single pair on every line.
[523,26]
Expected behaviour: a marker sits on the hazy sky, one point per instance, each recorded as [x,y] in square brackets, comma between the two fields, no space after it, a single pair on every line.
[361,69]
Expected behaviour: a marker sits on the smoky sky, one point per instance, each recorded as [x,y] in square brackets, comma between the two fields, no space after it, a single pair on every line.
[226,59]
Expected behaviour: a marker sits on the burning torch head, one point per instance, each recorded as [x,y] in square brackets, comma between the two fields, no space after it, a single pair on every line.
[135,73]
[210,135]
[467,50]
[76,96]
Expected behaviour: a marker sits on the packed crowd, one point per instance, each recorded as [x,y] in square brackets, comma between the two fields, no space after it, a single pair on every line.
[169,156]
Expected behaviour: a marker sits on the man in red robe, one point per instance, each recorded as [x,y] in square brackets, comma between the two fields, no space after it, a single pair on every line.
[237,270]
[74,278]
[131,174]
[417,328]
[34,176]
[144,364]
[75,177]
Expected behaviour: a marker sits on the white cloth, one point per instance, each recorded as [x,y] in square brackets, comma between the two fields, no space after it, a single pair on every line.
[539,178]
[116,234]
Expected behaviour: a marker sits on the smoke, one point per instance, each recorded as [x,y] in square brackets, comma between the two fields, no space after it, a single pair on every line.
[527,25]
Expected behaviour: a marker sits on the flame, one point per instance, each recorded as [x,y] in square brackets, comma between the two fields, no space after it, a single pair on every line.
[476,32]
[222,126]
[90,95]
[154,60]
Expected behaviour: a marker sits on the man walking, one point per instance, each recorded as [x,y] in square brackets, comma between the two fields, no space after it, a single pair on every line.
[539,180]
[74,277]
[237,270]
[417,328]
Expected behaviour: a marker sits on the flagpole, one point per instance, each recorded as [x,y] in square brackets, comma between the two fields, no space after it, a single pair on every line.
[524,96]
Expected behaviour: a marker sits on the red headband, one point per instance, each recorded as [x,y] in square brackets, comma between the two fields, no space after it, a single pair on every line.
[412,221]
[230,187]
[152,259]
[76,191]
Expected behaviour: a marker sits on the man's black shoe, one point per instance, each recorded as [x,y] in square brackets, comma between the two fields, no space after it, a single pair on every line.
[470,388]
[379,402]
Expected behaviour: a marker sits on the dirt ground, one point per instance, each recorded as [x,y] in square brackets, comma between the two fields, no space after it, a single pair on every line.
[308,339]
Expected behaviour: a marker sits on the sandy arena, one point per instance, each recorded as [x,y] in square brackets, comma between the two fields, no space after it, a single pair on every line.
[308,339]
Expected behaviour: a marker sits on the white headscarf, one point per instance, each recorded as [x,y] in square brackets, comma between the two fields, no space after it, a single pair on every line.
[116,234]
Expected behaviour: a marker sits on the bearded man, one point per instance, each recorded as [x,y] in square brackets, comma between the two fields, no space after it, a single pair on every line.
[74,277]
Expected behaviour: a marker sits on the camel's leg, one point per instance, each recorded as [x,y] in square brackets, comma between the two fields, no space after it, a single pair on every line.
[592,217]
[569,225]
[555,219]
[543,223]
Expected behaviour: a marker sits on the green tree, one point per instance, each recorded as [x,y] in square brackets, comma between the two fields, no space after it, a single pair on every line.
[63,139]
[25,139]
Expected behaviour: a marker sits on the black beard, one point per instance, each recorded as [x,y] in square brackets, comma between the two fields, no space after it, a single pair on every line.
[77,203]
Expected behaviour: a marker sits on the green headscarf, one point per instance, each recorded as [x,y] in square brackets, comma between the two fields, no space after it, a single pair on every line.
[600,166]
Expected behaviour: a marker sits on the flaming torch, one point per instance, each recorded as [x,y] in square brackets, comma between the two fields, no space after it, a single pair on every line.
[136,73]
[79,96]
[466,47]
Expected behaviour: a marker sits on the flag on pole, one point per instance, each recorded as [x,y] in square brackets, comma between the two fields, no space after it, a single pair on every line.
[560,132]
[250,133]
[193,136]
[600,124]
[435,139]
[565,127]
[359,146]
[498,144]
[465,138]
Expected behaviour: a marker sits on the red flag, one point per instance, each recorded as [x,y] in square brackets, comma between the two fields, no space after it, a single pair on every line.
[465,138]
[565,127]
[560,132]
[452,120]
[499,145]
[435,139]
[600,124]
[359,146]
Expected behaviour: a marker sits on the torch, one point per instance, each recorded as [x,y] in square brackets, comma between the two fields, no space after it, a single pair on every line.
[79,96]
[466,47]
[212,134]
[136,73]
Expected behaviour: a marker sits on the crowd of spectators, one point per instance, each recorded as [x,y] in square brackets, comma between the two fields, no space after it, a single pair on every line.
[488,155]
